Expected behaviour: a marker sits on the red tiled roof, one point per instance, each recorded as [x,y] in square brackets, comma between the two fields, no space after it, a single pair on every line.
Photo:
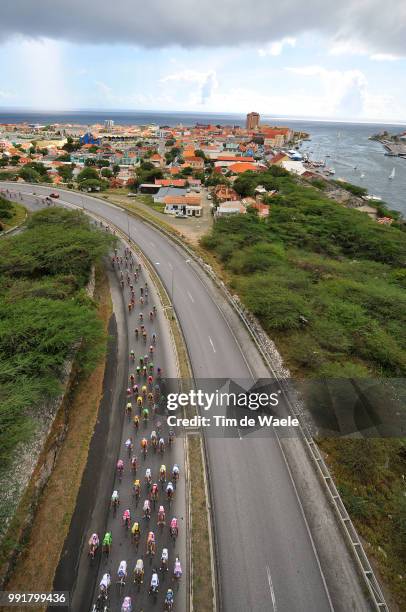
[241,167]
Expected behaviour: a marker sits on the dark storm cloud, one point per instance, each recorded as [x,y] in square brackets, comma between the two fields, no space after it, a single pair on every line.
[379,26]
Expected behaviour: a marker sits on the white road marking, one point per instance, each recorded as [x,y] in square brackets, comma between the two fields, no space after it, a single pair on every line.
[268,571]
[190,296]
[212,345]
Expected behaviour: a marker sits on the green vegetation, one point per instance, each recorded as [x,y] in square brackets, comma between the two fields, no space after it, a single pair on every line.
[11,214]
[45,315]
[34,172]
[369,474]
[325,281]
[354,189]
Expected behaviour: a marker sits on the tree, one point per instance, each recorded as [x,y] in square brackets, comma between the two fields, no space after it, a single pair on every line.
[71,145]
[29,174]
[64,158]
[93,149]
[66,172]
[116,169]
[89,161]
[200,153]
[106,172]
[103,163]
[93,185]
[87,173]
[170,142]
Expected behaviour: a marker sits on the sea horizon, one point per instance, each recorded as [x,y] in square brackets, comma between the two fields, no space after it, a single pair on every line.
[6,112]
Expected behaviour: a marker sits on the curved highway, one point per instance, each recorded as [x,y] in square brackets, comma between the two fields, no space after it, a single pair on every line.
[266,554]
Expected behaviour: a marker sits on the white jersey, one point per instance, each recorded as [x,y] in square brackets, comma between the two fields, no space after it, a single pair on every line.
[105,581]
[146,505]
[165,554]
[122,570]
[139,565]
[154,580]
[128,443]
[114,497]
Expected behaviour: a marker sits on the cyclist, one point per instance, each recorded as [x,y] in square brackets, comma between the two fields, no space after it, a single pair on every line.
[129,446]
[136,332]
[148,477]
[115,500]
[105,584]
[139,401]
[127,605]
[134,464]
[128,410]
[151,315]
[153,589]
[132,355]
[145,414]
[161,516]
[127,518]
[175,473]
[150,379]
[93,544]
[164,560]
[136,532]
[136,421]
[120,469]
[168,603]
[147,509]
[151,543]
[151,349]
[122,571]
[174,530]
[138,370]
[171,437]
[132,379]
[169,491]
[139,571]
[107,542]
[161,445]
[162,474]
[159,372]
[137,488]
[177,569]
[154,493]
[129,392]
[153,338]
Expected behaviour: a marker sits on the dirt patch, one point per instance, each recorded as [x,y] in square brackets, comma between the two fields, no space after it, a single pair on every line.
[36,567]
[201,558]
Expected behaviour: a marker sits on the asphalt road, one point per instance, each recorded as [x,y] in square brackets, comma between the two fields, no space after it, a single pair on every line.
[123,548]
[267,559]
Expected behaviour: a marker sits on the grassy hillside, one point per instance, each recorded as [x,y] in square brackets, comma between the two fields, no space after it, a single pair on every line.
[44,313]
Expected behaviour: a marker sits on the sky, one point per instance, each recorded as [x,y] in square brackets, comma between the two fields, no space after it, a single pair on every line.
[325,59]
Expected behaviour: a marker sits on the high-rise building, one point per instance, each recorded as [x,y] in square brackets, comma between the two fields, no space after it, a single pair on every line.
[252,121]
[108,124]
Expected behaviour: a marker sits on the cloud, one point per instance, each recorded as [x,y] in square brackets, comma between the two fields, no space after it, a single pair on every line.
[276,48]
[206,81]
[380,28]
[344,91]
[385,57]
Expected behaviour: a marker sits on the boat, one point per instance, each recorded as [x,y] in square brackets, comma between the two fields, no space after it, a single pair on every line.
[362,175]
[392,174]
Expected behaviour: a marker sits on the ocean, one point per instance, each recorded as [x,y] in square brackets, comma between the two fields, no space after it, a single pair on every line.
[344,146]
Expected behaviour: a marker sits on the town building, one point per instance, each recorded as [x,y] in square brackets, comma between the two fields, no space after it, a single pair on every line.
[252,122]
